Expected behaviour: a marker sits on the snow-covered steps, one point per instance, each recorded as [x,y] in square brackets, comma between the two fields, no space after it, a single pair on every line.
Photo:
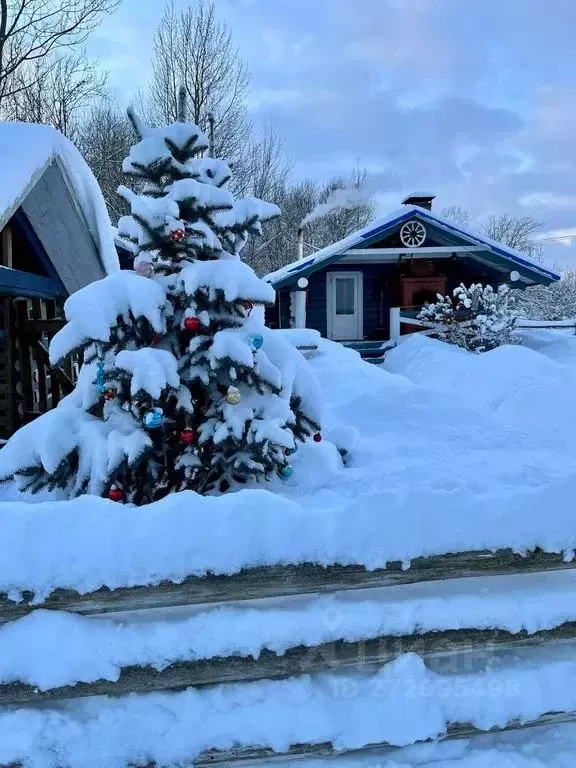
[371,351]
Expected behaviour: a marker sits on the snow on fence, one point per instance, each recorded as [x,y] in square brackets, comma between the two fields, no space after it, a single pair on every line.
[280,666]
[534,325]
[398,317]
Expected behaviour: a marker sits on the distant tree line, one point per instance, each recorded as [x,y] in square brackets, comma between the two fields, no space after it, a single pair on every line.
[46,77]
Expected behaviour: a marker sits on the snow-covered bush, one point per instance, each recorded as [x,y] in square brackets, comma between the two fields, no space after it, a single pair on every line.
[477,318]
[556,301]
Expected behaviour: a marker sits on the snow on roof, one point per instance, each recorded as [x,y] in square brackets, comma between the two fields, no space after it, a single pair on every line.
[314,261]
[26,149]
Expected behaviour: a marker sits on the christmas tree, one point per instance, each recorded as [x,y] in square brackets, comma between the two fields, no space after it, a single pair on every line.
[182,386]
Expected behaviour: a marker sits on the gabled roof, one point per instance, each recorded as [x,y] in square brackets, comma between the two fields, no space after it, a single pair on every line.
[27,152]
[492,251]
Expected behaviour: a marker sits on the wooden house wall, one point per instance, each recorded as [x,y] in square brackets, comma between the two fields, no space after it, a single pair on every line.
[380,292]
[62,230]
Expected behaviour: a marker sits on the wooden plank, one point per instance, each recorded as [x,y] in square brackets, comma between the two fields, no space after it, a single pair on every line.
[256,755]
[277,581]
[25,358]
[41,369]
[6,371]
[248,756]
[59,377]
[43,325]
[6,257]
[295,661]
[59,225]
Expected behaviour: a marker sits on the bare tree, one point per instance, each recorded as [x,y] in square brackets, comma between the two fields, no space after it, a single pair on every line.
[277,246]
[33,29]
[104,137]
[457,214]
[56,90]
[192,47]
[262,169]
[296,201]
[517,232]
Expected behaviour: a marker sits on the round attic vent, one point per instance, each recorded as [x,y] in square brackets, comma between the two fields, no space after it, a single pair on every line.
[412,234]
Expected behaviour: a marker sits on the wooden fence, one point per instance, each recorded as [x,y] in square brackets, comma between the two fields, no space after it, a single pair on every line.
[271,582]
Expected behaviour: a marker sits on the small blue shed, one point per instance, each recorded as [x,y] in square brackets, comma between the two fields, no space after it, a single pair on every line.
[346,290]
[55,237]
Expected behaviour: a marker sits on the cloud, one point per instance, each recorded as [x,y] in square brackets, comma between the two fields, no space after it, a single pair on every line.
[475,100]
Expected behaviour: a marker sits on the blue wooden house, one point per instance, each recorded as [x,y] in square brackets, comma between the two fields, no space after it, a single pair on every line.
[52,232]
[347,290]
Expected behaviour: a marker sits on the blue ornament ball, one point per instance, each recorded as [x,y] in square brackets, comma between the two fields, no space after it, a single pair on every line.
[153,419]
[287,471]
[257,341]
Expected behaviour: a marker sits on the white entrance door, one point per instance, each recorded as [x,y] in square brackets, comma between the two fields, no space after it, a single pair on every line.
[344,305]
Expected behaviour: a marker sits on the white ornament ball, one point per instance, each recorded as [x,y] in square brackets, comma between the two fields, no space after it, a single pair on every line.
[233,396]
[302,282]
[514,276]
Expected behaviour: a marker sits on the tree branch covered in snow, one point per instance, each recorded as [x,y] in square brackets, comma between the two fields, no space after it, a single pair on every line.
[556,301]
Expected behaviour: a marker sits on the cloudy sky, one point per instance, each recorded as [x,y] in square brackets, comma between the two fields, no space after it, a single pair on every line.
[474,100]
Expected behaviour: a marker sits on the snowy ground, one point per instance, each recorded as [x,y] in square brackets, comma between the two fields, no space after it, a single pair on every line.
[448,451]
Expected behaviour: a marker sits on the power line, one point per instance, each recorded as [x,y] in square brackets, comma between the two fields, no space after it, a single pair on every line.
[556,237]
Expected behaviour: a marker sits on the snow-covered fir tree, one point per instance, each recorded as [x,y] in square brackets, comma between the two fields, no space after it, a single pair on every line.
[477,318]
[182,386]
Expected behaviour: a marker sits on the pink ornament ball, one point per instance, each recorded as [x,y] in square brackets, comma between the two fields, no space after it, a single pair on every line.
[143,268]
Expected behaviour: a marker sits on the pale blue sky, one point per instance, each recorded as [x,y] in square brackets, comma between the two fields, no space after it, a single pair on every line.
[472,99]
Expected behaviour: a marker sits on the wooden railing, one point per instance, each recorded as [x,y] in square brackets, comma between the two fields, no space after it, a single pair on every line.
[272,582]
[409,316]
[39,386]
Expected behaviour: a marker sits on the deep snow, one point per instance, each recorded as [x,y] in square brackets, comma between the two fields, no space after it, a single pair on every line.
[401,703]
[446,451]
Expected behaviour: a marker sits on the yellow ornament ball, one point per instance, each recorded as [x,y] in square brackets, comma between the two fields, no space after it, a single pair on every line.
[233,396]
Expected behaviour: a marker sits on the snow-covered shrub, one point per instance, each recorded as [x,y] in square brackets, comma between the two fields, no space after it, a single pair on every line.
[477,318]
[556,301]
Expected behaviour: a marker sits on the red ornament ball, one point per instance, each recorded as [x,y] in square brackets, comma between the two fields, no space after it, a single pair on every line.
[317,437]
[248,306]
[187,436]
[115,494]
[177,235]
[156,340]
[109,394]
[191,323]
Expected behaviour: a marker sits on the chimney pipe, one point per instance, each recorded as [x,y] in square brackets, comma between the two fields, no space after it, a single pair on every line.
[421,199]
[300,248]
